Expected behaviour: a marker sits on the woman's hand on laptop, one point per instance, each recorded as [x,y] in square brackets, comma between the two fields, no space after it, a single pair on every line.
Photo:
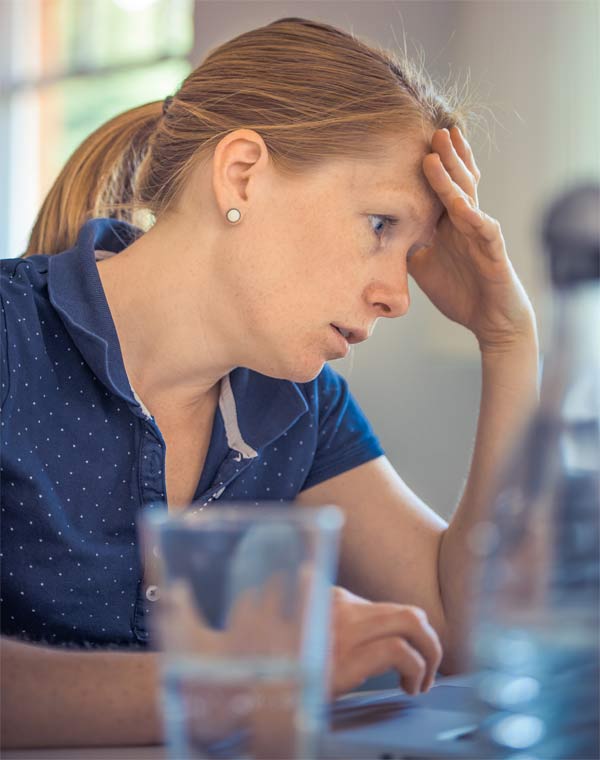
[370,638]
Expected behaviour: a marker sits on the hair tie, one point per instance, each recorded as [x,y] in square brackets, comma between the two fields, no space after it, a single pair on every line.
[166,103]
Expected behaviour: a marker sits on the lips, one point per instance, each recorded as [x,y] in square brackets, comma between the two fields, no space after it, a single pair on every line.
[351,334]
[340,341]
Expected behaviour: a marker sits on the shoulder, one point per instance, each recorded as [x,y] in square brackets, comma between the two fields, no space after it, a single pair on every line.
[20,277]
[23,288]
[21,280]
[29,267]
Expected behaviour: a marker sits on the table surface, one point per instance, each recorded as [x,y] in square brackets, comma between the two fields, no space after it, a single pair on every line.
[159,752]
[87,753]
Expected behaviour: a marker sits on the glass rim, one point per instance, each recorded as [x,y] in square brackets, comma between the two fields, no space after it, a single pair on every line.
[233,515]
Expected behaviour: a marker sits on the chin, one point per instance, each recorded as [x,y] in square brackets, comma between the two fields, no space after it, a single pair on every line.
[306,374]
[306,362]
[302,368]
[299,358]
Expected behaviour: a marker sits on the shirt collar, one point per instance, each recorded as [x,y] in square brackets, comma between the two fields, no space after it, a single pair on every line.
[256,409]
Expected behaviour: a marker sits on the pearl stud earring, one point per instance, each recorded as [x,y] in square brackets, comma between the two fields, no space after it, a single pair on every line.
[233,215]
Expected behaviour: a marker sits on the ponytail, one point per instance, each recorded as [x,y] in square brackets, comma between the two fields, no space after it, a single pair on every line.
[99,179]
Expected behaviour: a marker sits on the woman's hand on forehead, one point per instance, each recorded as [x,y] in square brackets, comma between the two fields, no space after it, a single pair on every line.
[466,272]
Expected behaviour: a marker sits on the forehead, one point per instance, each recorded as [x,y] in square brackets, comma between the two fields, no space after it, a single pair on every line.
[415,199]
[395,175]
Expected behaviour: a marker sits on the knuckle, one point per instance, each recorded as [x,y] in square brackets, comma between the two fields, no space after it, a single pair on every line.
[341,604]
[389,610]
[417,614]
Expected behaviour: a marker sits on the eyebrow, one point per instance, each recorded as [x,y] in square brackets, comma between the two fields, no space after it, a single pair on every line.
[410,210]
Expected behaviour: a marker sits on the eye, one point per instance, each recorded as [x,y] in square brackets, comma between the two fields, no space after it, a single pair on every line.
[384,223]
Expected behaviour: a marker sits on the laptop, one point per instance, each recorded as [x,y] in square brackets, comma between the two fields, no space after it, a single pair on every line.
[390,725]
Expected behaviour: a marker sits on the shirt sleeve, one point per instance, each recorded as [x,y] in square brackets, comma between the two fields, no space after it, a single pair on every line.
[345,436]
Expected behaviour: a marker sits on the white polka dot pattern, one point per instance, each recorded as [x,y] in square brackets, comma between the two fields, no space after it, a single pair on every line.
[80,456]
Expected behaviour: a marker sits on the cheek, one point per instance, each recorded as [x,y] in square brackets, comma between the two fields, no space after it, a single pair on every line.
[299,276]
[275,299]
[345,271]
[331,256]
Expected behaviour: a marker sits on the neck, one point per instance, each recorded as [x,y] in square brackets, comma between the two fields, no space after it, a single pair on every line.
[162,303]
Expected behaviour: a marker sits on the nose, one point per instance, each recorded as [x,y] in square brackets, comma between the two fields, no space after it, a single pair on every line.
[389,299]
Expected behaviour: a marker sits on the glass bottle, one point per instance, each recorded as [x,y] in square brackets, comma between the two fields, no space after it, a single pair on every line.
[536,635]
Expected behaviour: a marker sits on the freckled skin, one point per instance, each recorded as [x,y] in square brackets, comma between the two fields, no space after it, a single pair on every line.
[263,292]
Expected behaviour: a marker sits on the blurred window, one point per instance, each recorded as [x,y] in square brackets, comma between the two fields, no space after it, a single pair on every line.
[67,67]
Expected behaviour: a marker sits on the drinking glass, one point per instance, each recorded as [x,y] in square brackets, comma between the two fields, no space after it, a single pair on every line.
[242,623]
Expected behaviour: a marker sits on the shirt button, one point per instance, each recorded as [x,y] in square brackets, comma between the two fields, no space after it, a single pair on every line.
[152,593]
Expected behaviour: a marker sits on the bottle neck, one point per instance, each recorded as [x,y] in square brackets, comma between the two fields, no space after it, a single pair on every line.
[577,322]
[574,354]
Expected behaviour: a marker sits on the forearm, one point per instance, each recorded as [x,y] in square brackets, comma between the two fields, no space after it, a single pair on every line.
[509,392]
[64,697]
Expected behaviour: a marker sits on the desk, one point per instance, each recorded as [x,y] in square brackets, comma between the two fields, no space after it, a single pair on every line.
[87,753]
[442,708]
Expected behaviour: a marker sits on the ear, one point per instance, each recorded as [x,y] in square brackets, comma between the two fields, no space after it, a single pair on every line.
[239,160]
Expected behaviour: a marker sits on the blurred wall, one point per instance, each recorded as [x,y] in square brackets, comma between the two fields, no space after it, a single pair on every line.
[534,68]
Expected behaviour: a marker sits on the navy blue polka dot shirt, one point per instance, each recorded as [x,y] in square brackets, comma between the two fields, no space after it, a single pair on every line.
[80,455]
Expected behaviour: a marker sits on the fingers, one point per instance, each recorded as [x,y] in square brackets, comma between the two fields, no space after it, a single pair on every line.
[482,228]
[400,655]
[373,635]
[372,658]
[463,149]
[411,624]
[444,185]
[462,209]
[457,167]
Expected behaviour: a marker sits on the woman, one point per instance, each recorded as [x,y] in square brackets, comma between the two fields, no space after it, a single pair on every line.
[296,179]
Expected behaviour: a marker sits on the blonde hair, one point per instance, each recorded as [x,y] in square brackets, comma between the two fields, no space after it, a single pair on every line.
[313,92]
